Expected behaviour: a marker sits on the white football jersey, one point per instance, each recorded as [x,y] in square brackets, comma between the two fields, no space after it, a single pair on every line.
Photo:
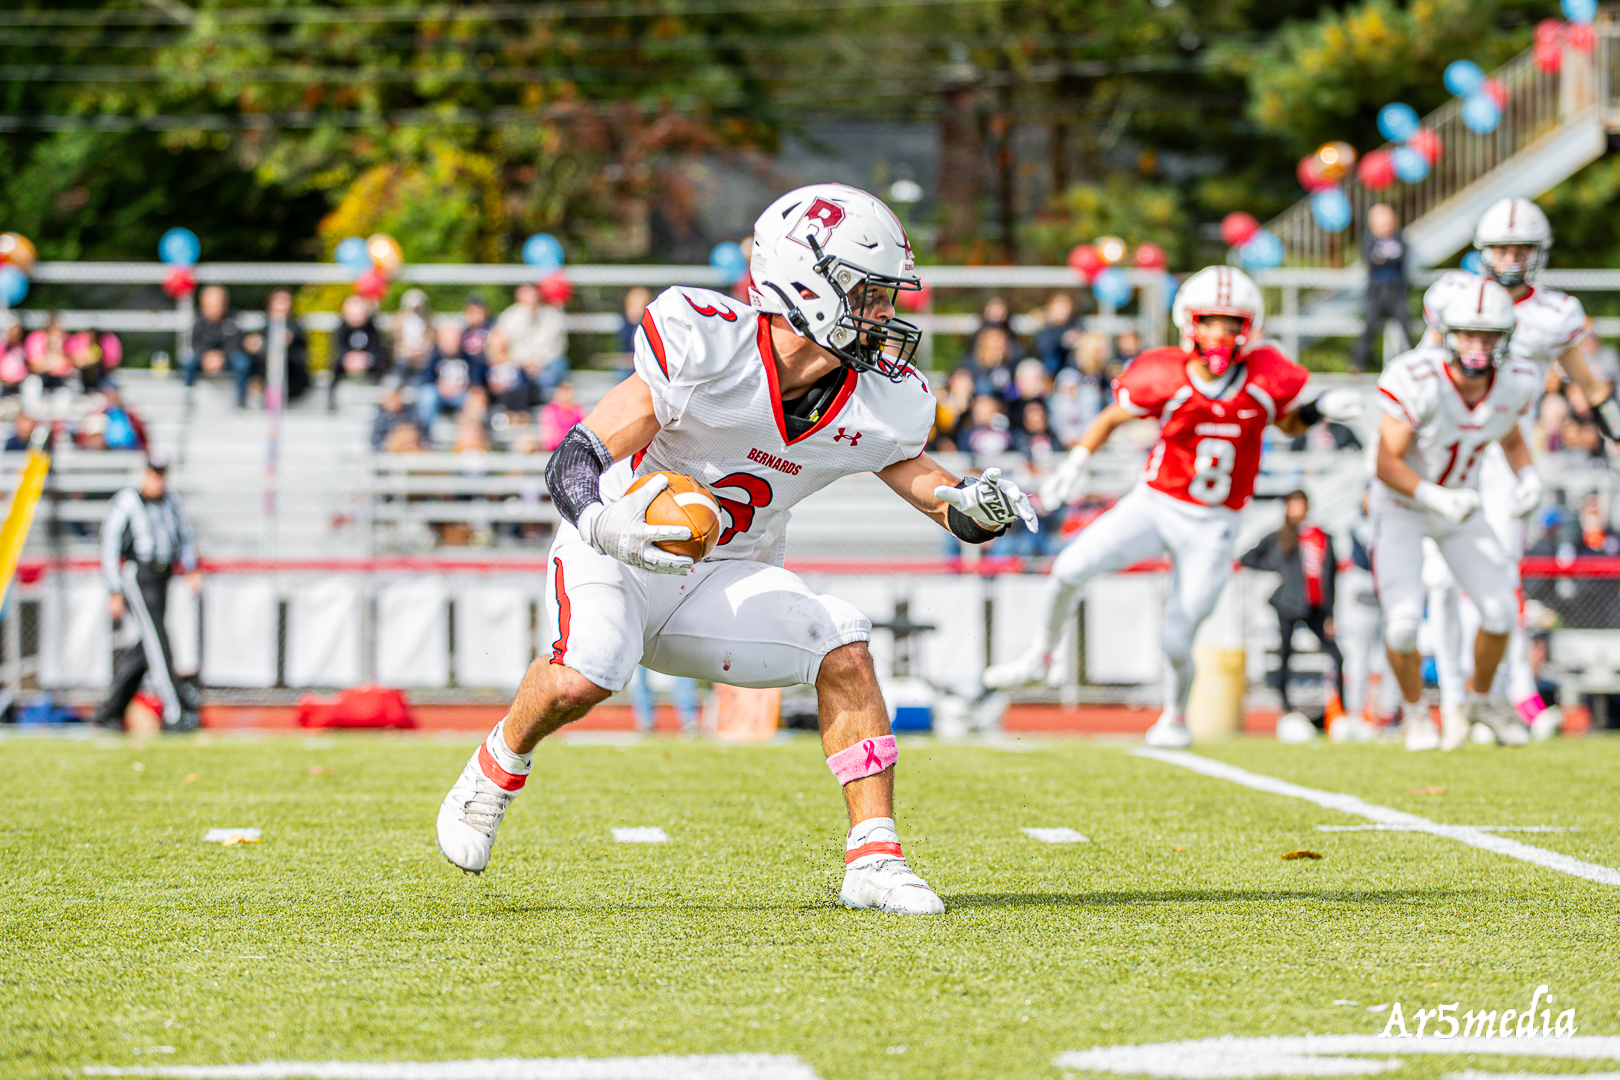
[1547,322]
[709,363]
[1417,389]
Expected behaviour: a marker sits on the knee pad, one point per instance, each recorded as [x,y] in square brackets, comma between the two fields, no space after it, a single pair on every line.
[866,758]
[1495,615]
[1401,635]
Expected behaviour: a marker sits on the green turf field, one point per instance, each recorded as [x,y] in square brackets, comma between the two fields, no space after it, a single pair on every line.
[345,936]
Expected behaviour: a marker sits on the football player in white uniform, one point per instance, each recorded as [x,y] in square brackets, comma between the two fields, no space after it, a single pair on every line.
[1513,239]
[1444,406]
[765,404]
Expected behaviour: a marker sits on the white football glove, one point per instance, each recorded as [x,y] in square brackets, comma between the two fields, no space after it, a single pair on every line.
[1527,492]
[990,501]
[1454,504]
[1342,405]
[1065,483]
[621,530]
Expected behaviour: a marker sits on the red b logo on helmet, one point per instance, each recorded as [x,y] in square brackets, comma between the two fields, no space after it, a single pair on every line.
[819,221]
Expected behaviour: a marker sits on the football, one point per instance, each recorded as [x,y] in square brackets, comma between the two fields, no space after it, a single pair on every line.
[688,502]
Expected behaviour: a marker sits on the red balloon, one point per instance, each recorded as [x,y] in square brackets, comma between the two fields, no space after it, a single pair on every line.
[1150,256]
[1376,170]
[556,289]
[180,282]
[1497,89]
[1581,37]
[1238,228]
[1310,175]
[1549,30]
[1427,143]
[916,299]
[372,284]
[1085,261]
[1548,56]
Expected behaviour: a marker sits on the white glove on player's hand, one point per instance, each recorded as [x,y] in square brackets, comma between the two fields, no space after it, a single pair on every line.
[621,530]
[1065,483]
[1454,504]
[1526,493]
[1342,405]
[990,501]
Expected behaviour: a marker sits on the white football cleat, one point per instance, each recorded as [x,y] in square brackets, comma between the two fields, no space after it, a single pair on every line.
[470,815]
[1453,727]
[1548,722]
[1352,729]
[1295,727]
[888,885]
[1169,732]
[1503,722]
[1419,731]
[1027,670]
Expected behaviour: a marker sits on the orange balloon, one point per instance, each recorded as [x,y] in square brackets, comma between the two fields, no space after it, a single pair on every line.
[385,252]
[1111,248]
[16,249]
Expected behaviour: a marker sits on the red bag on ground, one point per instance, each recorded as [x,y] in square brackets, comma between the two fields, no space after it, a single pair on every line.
[357,707]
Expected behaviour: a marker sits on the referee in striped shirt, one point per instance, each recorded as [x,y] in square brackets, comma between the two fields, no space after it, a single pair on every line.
[144,541]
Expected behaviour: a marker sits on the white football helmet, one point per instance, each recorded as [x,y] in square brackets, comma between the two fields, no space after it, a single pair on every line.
[1485,306]
[1451,283]
[1514,221]
[818,250]
[1220,290]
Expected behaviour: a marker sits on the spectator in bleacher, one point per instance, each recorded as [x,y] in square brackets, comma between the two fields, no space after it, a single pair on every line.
[13,358]
[413,334]
[216,343]
[403,439]
[391,413]
[90,434]
[449,375]
[475,338]
[536,336]
[1384,252]
[559,415]
[279,319]
[991,361]
[996,316]
[21,434]
[1056,339]
[1033,437]
[635,306]
[1068,411]
[510,391]
[952,402]
[1303,554]
[1127,347]
[359,349]
[94,355]
[988,433]
[48,357]
[1597,538]
[124,430]
[1030,383]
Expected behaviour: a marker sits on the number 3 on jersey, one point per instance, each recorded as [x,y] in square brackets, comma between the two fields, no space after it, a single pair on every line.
[1212,471]
[758,492]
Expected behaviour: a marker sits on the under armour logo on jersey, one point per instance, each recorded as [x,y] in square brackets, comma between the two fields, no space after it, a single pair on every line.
[713,309]
[854,439]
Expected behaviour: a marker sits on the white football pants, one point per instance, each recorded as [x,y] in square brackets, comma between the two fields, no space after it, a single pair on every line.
[1143,524]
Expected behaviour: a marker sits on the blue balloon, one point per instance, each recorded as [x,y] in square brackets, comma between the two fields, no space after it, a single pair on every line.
[1410,165]
[1480,113]
[1398,122]
[13,285]
[1331,210]
[180,247]
[1463,77]
[728,258]
[543,252]
[1112,288]
[1172,285]
[351,253]
[1263,251]
[1472,263]
[1580,11]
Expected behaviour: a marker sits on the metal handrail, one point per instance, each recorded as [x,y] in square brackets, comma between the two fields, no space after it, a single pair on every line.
[1538,105]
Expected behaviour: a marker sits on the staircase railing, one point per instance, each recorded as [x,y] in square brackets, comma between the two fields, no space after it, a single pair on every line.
[1538,104]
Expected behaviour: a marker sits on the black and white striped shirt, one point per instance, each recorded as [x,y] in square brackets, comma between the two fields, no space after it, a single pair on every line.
[146,532]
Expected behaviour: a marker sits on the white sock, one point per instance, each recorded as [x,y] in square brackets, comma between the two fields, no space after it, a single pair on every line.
[875,830]
[516,764]
[1474,697]
[1414,710]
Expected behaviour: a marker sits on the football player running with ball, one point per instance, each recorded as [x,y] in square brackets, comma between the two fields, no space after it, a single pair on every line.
[1213,397]
[1513,238]
[1444,406]
[765,404]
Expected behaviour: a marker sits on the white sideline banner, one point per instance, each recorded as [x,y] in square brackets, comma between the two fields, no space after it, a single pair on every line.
[494,637]
[323,632]
[1124,621]
[182,619]
[75,644]
[413,632]
[954,652]
[239,631]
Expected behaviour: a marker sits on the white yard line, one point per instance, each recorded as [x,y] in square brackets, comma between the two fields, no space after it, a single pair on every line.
[1059,835]
[662,1067]
[1231,1057]
[641,834]
[1484,828]
[1384,815]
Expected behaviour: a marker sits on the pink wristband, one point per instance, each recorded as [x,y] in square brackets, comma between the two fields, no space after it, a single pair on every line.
[865,758]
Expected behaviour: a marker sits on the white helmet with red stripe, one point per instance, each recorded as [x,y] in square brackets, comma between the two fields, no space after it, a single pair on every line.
[1514,222]
[1220,290]
[1482,306]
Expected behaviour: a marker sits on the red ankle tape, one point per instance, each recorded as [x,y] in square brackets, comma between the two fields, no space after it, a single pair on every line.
[498,776]
[877,848]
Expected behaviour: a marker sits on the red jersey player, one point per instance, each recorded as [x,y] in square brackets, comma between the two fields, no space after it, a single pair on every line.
[1213,397]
